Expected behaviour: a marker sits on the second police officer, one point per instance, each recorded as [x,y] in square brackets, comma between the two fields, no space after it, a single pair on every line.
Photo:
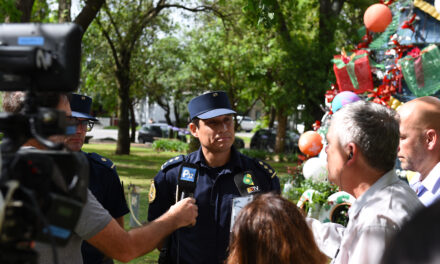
[104,181]
[223,174]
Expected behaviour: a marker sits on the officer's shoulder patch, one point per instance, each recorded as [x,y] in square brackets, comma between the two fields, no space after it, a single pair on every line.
[152,194]
[172,162]
[102,160]
[266,167]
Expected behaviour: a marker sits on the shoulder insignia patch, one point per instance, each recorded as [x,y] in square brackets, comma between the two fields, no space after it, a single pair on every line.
[267,168]
[102,160]
[152,194]
[172,162]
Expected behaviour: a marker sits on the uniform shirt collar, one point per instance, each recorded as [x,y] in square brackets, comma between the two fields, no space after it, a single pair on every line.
[387,179]
[432,180]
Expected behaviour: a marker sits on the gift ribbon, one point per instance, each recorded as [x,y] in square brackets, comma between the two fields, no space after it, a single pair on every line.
[350,68]
[427,8]
[418,69]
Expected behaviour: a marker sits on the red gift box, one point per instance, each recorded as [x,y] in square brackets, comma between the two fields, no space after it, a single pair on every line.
[353,72]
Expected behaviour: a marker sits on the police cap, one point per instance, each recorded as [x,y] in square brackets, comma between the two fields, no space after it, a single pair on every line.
[81,105]
[210,105]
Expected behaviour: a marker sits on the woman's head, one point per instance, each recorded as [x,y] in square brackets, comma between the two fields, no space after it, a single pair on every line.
[271,229]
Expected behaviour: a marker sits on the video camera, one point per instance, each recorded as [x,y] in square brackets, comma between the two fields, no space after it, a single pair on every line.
[42,192]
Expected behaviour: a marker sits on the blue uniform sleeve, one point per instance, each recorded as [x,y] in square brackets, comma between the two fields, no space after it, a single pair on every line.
[115,198]
[106,186]
[160,196]
[270,174]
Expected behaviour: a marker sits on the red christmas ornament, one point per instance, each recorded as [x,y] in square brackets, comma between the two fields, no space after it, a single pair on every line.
[377,17]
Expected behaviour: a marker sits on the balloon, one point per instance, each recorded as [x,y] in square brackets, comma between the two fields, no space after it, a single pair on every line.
[377,17]
[310,143]
[344,98]
[315,169]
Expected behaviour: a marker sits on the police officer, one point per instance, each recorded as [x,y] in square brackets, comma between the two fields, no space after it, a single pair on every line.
[223,174]
[104,181]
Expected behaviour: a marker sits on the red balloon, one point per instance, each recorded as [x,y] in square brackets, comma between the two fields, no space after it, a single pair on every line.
[310,143]
[377,17]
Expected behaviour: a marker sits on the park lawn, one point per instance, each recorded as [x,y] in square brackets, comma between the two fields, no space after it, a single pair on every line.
[139,168]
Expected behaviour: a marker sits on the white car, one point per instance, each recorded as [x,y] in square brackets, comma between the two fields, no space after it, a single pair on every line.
[246,123]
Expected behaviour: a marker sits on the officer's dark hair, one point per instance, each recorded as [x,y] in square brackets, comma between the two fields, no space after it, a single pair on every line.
[271,229]
[13,102]
[195,121]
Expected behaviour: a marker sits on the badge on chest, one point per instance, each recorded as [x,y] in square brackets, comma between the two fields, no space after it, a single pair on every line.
[246,183]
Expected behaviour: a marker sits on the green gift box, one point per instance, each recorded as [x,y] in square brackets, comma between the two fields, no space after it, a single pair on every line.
[422,72]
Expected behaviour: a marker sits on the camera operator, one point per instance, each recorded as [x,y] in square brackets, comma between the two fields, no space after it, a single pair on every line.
[96,225]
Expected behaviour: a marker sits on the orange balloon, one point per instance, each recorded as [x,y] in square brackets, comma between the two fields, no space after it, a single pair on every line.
[377,17]
[310,143]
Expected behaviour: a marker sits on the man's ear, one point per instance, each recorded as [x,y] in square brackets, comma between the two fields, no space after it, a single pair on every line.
[431,139]
[351,151]
[194,129]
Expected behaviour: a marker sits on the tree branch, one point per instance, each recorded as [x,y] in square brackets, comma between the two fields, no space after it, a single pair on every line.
[110,42]
[112,21]
[202,8]
[88,13]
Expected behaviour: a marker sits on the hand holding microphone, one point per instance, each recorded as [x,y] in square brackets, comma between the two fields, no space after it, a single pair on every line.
[185,212]
[186,187]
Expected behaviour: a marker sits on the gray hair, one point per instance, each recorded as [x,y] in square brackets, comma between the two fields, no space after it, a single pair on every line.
[373,128]
[13,102]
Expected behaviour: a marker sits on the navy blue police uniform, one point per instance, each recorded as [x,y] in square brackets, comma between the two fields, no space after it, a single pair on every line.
[104,181]
[208,240]
[105,184]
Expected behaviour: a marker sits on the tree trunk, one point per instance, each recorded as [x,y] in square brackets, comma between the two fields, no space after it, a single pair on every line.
[281,131]
[132,123]
[25,7]
[64,11]
[176,114]
[272,116]
[123,143]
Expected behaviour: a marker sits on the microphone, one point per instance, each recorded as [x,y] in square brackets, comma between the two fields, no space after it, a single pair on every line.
[187,181]
[246,183]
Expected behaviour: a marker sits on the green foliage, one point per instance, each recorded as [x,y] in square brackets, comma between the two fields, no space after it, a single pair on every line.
[170,145]
[300,185]
[41,12]
[9,10]
[263,155]
[254,153]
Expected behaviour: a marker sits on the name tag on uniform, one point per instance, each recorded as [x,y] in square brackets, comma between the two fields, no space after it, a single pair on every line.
[237,204]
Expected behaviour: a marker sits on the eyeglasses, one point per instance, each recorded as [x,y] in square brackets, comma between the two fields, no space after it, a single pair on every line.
[83,123]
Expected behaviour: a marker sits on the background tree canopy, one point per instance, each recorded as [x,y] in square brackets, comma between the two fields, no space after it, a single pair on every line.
[269,51]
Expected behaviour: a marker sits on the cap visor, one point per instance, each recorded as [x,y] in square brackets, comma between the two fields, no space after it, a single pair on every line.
[82,115]
[215,113]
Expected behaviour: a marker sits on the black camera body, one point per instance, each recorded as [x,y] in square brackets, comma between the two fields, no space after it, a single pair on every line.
[42,192]
[46,57]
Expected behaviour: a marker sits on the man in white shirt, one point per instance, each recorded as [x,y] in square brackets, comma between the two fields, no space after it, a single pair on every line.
[362,147]
[419,148]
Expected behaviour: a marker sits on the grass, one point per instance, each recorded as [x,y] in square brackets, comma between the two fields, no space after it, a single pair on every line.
[139,168]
